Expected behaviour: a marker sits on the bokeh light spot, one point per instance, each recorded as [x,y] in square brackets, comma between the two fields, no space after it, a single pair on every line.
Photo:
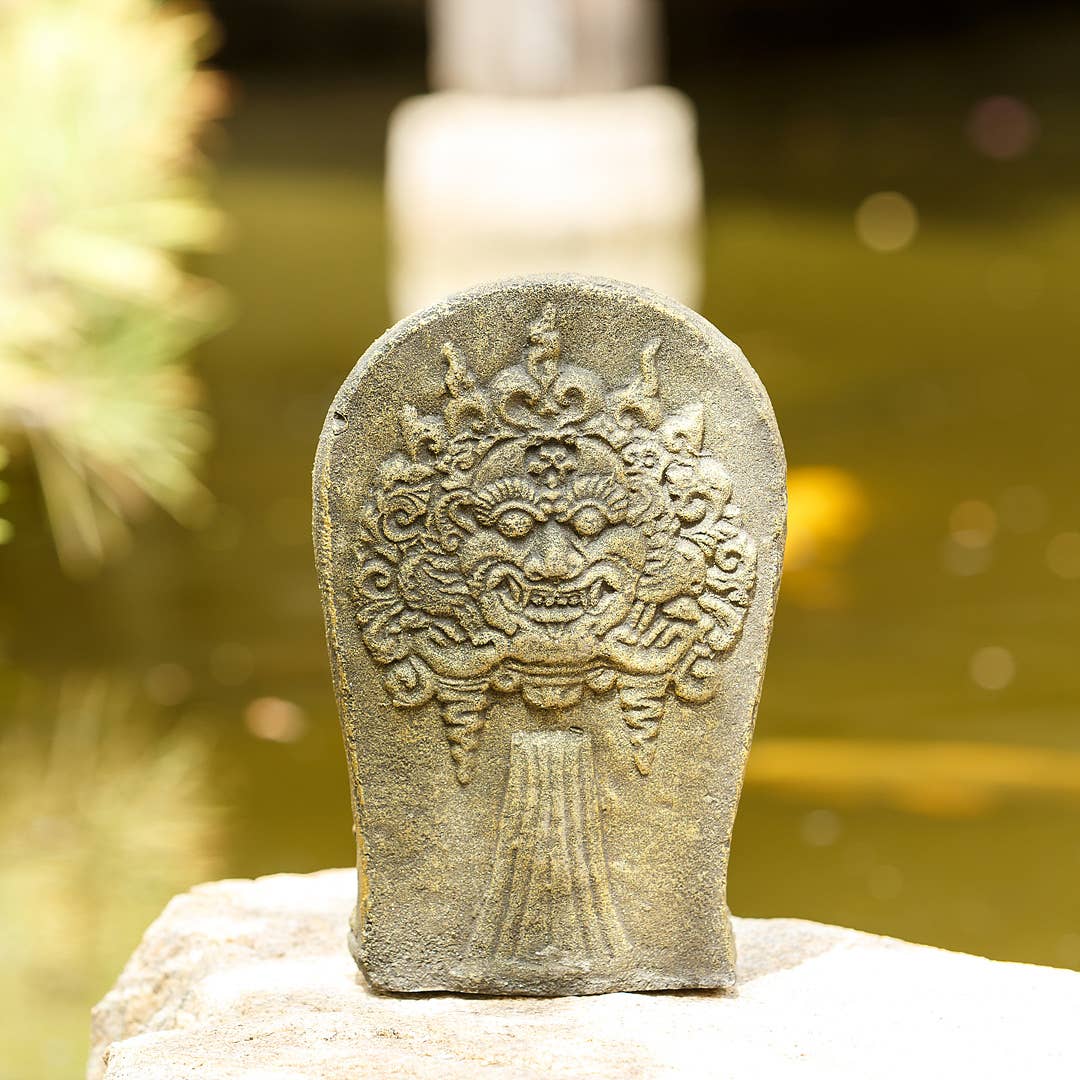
[167,684]
[821,828]
[1063,555]
[1002,127]
[828,513]
[992,667]
[886,221]
[275,719]
[972,524]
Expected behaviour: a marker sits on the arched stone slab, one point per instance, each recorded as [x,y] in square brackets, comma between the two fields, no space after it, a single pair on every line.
[549,523]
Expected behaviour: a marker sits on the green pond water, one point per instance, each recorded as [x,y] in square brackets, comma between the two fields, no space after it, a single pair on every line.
[933,390]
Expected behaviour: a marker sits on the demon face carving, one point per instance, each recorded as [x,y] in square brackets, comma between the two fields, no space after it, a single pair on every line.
[553,562]
[546,536]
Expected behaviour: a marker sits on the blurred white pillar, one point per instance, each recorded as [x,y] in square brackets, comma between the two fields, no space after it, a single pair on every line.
[543,46]
[543,152]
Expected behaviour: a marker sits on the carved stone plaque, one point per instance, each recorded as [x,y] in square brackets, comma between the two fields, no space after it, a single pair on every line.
[549,522]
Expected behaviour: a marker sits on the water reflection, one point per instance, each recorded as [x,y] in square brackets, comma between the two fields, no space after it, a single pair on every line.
[103,815]
[941,778]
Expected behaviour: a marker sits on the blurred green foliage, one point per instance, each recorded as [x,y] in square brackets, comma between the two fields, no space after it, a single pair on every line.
[102,191]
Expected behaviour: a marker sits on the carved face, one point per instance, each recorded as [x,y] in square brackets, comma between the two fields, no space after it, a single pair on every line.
[551,560]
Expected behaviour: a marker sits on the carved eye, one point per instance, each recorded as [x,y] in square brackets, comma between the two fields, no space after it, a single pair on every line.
[515,523]
[509,505]
[590,520]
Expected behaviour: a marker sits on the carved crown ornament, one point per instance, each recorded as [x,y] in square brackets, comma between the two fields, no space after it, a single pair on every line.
[548,536]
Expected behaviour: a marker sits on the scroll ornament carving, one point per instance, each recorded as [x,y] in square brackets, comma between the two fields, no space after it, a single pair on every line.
[546,536]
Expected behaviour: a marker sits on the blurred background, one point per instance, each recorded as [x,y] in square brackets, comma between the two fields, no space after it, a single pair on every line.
[879,202]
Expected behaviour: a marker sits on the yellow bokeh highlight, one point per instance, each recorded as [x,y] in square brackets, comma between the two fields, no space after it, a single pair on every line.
[828,513]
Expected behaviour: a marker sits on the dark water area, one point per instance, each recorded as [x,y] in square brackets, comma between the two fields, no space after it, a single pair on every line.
[916,770]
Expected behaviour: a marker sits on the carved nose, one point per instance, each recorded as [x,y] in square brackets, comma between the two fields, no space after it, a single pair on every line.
[552,555]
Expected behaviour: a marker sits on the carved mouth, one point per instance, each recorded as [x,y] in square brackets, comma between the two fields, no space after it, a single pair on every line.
[546,602]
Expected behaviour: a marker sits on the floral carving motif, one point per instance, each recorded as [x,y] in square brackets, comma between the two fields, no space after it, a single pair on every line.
[547,535]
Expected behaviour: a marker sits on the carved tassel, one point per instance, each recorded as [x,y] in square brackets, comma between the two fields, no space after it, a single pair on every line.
[641,700]
[549,908]
[463,704]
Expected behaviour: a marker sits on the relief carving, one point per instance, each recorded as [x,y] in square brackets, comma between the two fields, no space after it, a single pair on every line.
[549,901]
[549,535]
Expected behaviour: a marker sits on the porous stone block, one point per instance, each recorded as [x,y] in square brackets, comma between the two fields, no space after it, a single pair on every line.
[251,980]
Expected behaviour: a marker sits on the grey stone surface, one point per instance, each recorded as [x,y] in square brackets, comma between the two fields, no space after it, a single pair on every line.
[251,980]
[549,521]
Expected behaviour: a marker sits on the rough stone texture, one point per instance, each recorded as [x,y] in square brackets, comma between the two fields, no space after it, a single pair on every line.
[251,980]
[549,523]
[481,187]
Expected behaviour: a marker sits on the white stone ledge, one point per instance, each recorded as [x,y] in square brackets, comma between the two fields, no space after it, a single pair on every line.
[251,980]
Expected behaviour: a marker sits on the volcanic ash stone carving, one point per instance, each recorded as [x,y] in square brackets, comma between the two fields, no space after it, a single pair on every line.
[549,521]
